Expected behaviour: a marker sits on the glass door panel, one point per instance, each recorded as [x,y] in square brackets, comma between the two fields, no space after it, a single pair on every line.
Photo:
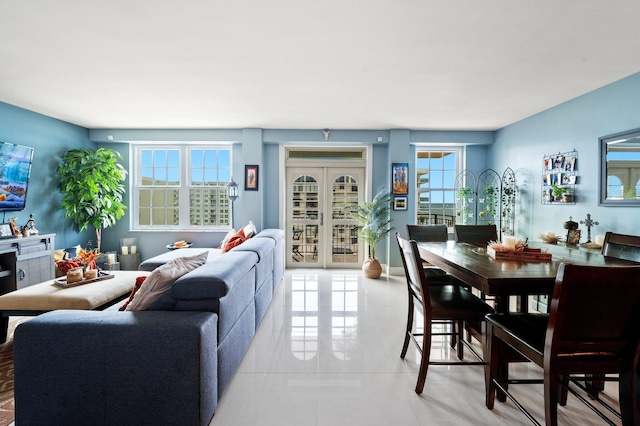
[304,216]
[321,231]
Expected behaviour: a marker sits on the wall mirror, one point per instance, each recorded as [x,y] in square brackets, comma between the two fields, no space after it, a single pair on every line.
[620,169]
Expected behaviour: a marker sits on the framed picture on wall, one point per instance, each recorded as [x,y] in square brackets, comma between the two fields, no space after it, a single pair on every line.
[400,178]
[400,203]
[251,178]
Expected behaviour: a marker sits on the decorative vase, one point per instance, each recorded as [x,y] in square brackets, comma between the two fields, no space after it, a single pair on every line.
[371,268]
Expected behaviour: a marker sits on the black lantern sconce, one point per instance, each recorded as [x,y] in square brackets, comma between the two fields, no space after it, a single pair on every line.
[232,195]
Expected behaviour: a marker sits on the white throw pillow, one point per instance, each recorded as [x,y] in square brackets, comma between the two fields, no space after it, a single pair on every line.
[162,278]
[226,238]
[249,230]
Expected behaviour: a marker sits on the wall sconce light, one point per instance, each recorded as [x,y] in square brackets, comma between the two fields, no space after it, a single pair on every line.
[232,195]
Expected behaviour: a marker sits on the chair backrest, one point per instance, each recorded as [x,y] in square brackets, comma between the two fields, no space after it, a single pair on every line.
[416,279]
[475,234]
[626,247]
[428,233]
[595,310]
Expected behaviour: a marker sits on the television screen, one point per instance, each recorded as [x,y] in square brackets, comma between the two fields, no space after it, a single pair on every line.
[15,166]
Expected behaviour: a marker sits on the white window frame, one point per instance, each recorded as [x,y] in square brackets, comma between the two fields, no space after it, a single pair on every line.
[184,187]
[460,160]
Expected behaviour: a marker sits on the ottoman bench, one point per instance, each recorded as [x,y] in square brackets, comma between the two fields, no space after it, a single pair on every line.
[48,296]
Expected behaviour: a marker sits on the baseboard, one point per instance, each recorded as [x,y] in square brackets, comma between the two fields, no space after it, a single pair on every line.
[395,270]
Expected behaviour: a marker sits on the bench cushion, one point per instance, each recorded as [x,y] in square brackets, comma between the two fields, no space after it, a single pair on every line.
[48,296]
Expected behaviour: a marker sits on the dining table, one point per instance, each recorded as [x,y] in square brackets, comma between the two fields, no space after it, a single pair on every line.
[503,278]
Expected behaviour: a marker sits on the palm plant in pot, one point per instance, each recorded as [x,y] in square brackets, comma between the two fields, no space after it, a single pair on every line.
[92,188]
[374,227]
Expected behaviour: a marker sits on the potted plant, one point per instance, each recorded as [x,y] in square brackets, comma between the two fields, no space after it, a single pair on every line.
[91,183]
[557,192]
[375,225]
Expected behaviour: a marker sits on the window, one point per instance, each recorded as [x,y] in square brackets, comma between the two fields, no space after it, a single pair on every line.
[181,187]
[436,172]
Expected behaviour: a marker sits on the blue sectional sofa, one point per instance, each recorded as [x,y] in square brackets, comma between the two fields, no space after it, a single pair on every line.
[167,365]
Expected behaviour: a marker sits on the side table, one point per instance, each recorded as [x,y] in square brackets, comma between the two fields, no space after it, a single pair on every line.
[129,262]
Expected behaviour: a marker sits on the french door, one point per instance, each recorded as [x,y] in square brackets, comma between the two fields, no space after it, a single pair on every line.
[320,231]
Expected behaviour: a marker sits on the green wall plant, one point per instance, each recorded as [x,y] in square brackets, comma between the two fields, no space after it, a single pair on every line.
[91,183]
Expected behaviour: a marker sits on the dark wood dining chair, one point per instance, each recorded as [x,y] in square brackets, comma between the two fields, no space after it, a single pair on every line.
[479,235]
[593,327]
[431,233]
[620,246]
[446,304]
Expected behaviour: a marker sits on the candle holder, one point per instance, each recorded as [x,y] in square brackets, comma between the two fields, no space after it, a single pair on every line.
[129,256]
[128,246]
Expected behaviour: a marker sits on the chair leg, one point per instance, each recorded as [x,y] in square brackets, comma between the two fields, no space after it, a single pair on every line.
[407,333]
[564,391]
[551,393]
[454,332]
[426,353]
[492,359]
[458,337]
[628,396]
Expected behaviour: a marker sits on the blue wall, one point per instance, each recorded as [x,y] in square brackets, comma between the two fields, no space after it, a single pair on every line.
[576,124]
[262,147]
[50,139]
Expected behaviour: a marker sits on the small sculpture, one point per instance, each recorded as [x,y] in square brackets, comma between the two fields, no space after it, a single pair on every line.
[588,222]
[30,227]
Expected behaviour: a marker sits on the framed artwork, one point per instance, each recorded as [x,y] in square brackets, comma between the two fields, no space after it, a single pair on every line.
[400,178]
[251,178]
[400,203]
[573,236]
[6,231]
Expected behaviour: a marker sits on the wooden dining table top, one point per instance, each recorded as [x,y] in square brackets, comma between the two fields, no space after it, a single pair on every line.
[474,266]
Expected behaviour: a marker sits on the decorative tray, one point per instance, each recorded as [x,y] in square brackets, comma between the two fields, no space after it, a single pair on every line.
[528,254]
[102,275]
[174,247]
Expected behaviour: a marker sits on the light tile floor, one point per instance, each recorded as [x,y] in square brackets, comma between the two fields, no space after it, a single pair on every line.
[327,353]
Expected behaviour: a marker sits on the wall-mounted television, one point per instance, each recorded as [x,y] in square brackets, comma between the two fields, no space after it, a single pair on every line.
[15,168]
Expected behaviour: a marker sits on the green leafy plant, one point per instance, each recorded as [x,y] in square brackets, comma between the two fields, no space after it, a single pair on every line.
[91,183]
[557,191]
[464,192]
[374,220]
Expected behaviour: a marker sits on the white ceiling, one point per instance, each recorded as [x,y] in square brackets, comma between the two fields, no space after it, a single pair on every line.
[308,64]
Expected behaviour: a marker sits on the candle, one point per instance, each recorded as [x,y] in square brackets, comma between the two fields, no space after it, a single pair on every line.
[111,258]
[125,250]
[599,240]
[134,249]
[509,241]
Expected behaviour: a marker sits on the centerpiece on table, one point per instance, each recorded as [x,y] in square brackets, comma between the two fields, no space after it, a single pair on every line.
[512,249]
[83,266]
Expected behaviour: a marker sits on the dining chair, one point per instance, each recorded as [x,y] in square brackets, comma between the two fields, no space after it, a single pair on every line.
[592,328]
[295,247]
[442,304]
[479,235]
[431,233]
[620,246]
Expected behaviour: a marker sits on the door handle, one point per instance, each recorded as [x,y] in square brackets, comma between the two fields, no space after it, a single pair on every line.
[321,219]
